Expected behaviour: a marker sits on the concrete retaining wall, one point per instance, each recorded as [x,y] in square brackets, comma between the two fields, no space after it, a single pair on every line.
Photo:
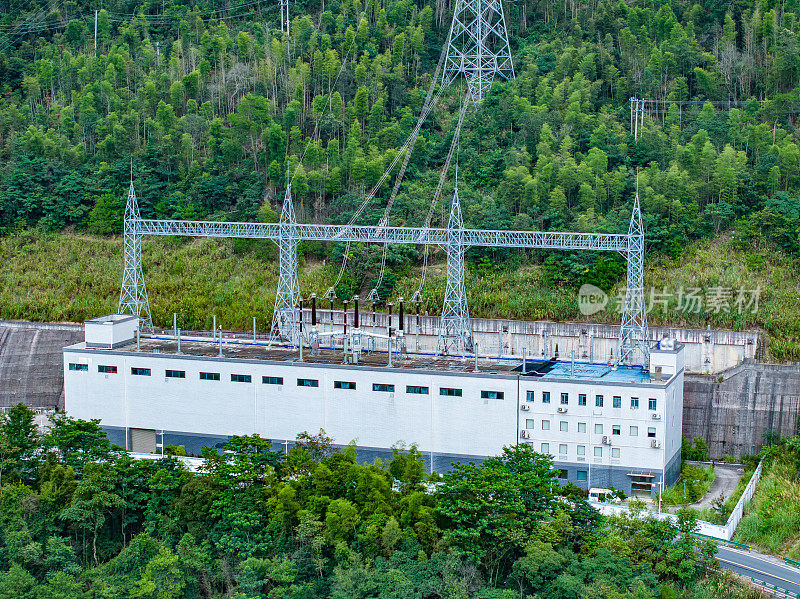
[706,351]
[31,369]
[734,409]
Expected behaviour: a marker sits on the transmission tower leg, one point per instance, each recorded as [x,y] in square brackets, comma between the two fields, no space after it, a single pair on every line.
[633,336]
[455,327]
[477,46]
[286,317]
[133,295]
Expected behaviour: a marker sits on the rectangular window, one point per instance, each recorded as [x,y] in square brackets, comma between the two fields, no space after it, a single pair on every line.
[615,429]
[545,397]
[209,376]
[598,452]
[272,380]
[545,447]
[582,475]
[241,378]
[581,427]
[383,387]
[634,403]
[651,431]
[79,367]
[617,401]
[564,399]
[581,449]
[563,426]
[563,474]
[175,374]
[615,452]
[529,396]
[307,383]
[598,429]
[582,399]
[652,404]
[634,431]
[545,425]
[107,369]
[529,423]
[140,371]
[416,389]
[492,395]
[598,401]
[449,392]
[344,385]
[562,449]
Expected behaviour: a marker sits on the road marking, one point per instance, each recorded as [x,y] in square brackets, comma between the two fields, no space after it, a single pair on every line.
[756,570]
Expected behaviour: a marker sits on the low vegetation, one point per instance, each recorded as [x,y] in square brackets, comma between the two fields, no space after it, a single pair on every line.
[693,484]
[772,518]
[80,519]
[49,277]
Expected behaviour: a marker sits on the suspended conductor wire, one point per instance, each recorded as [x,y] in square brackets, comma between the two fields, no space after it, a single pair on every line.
[405,150]
[455,145]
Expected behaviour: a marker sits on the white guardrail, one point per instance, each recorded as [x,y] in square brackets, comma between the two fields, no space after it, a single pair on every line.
[724,532]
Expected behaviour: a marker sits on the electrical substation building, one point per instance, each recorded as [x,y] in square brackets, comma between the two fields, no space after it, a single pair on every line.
[605,425]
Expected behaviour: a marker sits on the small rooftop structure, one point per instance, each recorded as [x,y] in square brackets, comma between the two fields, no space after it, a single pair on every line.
[111,332]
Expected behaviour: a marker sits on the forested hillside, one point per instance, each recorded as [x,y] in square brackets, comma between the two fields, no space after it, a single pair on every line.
[82,520]
[216,105]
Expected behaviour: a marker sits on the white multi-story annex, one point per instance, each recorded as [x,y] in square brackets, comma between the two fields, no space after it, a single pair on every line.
[605,426]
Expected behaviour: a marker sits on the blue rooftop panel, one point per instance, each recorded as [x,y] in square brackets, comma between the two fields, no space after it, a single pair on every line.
[585,371]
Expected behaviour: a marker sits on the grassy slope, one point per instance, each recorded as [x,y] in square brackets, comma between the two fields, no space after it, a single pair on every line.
[71,277]
[772,519]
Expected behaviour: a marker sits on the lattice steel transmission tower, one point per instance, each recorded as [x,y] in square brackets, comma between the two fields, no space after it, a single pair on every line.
[286,316]
[633,336]
[133,296]
[477,46]
[455,327]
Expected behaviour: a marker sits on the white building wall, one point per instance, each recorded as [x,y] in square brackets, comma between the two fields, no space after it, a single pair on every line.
[466,426]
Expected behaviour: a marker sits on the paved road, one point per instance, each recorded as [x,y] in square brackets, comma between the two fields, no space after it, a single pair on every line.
[760,567]
[726,477]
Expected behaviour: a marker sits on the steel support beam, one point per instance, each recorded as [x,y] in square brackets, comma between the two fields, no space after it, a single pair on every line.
[455,326]
[133,295]
[286,315]
[634,344]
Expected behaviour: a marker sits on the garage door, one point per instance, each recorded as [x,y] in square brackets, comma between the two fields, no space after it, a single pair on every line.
[143,440]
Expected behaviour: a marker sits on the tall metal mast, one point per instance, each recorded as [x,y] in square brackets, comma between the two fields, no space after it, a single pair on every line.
[477,46]
[455,327]
[286,317]
[133,296]
[633,338]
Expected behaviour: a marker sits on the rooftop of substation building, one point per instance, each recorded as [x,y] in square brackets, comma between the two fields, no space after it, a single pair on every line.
[507,365]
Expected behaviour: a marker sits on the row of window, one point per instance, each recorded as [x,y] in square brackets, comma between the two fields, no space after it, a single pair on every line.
[599,400]
[616,429]
[278,380]
[563,450]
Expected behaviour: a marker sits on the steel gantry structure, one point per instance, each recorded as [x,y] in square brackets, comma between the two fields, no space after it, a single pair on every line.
[455,330]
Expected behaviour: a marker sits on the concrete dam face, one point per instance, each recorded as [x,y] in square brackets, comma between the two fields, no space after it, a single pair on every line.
[731,407]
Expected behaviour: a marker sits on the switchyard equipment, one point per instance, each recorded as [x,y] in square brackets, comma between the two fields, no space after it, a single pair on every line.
[477,49]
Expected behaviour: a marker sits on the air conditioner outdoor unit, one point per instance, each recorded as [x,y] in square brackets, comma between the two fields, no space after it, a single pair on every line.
[605,439]
[655,444]
[525,408]
[656,416]
[562,410]
[524,434]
